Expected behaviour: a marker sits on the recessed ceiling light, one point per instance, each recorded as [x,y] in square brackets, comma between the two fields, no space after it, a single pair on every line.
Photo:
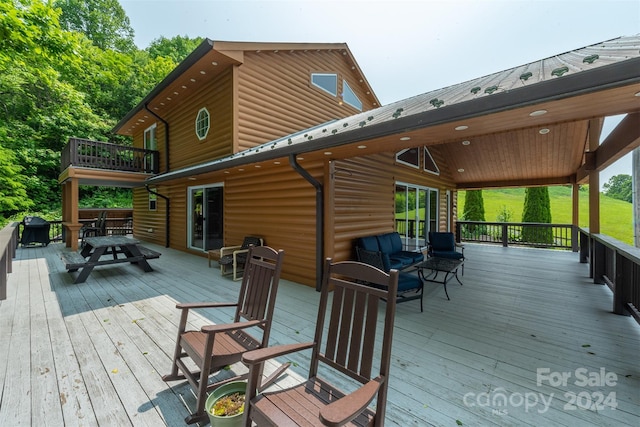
[203,72]
[193,80]
[168,98]
[300,158]
[192,178]
[462,127]
[460,170]
[466,142]
[637,94]
[241,169]
[176,93]
[537,113]
[214,63]
[543,131]
[257,166]
[184,87]
[328,153]
[276,162]
[362,146]
[405,138]
[227,172]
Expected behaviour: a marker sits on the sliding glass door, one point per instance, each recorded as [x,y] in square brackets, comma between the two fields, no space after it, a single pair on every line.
[416,214]
[205,219]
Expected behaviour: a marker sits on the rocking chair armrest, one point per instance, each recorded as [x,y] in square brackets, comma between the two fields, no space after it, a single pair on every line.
[212,329]
[190,305]
[350,406]
[254,357]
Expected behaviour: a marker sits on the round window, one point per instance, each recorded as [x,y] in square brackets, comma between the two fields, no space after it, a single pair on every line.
[202,124]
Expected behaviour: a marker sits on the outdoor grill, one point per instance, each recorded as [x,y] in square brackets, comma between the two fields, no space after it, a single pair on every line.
[35,230]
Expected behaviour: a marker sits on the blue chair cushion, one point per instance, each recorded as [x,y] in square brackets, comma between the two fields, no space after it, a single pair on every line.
[447,254]
[408,281]
[385,244]
[369,243]
[442,241]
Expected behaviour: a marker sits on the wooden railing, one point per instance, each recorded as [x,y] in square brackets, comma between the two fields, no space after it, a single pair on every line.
[538,235]
[8,244]
[615,264]
[105,155]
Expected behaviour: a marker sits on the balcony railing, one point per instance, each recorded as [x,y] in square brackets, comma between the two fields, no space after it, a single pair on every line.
[538,235]
[105,155]
[617,265]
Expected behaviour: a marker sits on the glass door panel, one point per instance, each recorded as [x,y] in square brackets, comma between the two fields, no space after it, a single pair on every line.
[205,219]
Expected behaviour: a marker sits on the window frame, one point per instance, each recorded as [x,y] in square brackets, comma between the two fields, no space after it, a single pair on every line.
[199,122]
[346,86]
[314,84]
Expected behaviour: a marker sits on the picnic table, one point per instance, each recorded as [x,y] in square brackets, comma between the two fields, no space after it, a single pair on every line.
[96,252]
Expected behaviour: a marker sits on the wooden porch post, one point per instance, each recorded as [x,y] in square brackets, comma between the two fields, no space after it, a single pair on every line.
[70,196]
[594,181]
[575,215]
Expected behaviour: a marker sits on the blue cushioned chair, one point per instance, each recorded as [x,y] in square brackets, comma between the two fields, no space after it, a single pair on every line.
[408,283]
[443,245]
[390,245]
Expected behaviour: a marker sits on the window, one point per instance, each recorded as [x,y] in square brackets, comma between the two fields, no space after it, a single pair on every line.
[150,143]
[153,199]
[202,124]
[430,164]
[326,82]
[409,157]
[349,96]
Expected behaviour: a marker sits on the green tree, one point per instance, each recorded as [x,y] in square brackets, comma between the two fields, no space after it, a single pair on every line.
[176,48]
[104,22]
[473,206]
[473,211]
[619,187]
[537,209]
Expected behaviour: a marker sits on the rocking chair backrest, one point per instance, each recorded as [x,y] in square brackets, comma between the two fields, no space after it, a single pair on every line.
[259,287]
[350,343]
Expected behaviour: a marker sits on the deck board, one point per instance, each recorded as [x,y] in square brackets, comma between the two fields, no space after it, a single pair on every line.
[94,353]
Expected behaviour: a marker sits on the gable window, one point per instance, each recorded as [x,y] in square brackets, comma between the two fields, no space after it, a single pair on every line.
[430,164]
[409,157]
[202,124]
[326,81]
[349,96]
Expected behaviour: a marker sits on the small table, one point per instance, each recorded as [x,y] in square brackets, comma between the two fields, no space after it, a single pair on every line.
[445,265]
[96,247]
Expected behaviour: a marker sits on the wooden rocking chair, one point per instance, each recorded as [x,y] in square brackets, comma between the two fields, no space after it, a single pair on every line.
[214,347]
[349,349]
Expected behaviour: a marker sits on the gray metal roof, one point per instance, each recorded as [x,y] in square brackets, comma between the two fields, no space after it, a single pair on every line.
[579,71]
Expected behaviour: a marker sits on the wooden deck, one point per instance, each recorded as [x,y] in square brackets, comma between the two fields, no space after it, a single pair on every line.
[93,353]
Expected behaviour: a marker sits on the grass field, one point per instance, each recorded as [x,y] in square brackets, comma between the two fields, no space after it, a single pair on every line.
[616,218]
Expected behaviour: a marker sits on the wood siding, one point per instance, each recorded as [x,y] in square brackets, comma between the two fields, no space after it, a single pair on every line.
[276,97]
[277,204]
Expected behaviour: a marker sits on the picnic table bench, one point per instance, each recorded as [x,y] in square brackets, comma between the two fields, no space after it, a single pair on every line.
[96,248]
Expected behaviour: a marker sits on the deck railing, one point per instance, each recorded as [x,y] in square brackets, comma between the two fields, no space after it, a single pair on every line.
[615,264]
[105,155]
[538,235]
[8,244]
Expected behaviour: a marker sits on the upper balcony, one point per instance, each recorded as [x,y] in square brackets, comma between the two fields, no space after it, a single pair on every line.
[104,155]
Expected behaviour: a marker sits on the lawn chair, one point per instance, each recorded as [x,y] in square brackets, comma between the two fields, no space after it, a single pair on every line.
[233,258]
[410,286]
[348,350]
[443,245]
[99,228]
[214,347]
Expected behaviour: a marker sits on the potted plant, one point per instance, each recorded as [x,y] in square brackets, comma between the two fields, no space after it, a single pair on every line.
[225,405]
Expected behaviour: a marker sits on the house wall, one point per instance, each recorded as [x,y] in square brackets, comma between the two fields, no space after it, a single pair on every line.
[276,97]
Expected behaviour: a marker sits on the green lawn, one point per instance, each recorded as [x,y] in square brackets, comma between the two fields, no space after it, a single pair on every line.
[616,218]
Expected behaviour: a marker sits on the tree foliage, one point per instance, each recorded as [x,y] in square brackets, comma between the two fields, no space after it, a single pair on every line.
[68,68]
[537,209]
[620,187]
[473,206]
